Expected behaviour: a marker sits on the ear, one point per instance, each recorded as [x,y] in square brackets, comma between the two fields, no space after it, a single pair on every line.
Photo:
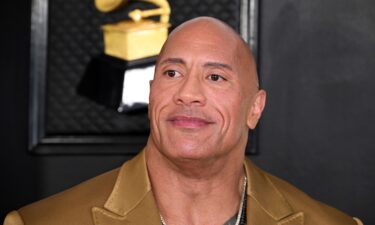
[256,109]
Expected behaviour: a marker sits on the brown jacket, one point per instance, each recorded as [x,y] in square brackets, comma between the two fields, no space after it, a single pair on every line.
[124,197]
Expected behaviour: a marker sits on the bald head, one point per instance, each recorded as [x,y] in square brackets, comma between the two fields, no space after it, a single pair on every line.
[218,35]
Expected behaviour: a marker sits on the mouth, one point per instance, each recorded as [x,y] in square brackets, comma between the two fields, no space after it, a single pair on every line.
[189,122]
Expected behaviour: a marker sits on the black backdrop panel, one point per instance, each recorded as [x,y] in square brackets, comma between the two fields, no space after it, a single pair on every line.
[318,64]
[75,37]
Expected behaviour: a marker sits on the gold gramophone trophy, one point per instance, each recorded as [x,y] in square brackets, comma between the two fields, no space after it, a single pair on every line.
[119,78]
[136,38]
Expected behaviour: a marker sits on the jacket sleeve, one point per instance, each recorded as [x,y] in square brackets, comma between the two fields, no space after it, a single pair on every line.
[359,222]
[13,218]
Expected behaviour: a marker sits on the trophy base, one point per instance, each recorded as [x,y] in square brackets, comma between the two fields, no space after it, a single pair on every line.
[103,81]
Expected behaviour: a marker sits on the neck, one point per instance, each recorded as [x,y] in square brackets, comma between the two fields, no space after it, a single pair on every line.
[196,192]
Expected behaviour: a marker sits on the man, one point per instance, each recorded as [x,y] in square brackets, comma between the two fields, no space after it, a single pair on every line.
[203,100]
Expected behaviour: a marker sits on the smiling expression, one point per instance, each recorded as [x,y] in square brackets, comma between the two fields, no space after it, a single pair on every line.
[202,95]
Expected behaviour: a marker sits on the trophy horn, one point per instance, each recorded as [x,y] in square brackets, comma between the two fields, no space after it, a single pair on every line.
[163,11]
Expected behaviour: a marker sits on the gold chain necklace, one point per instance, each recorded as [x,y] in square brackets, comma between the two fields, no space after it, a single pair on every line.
[239,214]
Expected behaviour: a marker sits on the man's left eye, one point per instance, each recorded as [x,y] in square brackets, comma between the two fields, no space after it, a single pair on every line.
[216,77]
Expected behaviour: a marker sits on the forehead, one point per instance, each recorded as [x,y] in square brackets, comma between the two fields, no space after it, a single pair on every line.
[208,44]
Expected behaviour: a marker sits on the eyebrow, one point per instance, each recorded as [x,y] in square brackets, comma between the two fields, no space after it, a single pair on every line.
[217,64]
[173,61]
[207,64]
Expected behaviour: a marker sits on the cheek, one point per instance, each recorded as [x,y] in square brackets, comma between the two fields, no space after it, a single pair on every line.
[159,98]
[232,107]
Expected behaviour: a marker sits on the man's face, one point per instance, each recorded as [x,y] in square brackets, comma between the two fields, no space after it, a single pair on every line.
[199,99]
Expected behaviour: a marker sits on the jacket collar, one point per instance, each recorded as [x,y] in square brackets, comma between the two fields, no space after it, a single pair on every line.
[132,203]
[131,200]
[265,202]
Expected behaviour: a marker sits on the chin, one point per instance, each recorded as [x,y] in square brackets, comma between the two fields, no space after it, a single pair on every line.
[192,153]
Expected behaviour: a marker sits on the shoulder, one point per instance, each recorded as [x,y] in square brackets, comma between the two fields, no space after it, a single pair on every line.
[72,206]
[315,211]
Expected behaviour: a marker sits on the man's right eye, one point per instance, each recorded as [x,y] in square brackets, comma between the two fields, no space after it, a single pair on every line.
[171,73]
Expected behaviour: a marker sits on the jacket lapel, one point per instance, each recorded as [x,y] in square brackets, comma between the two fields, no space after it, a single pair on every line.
[131,201]
[265,203]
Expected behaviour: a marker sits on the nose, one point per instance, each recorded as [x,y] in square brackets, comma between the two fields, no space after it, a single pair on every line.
[190,92]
